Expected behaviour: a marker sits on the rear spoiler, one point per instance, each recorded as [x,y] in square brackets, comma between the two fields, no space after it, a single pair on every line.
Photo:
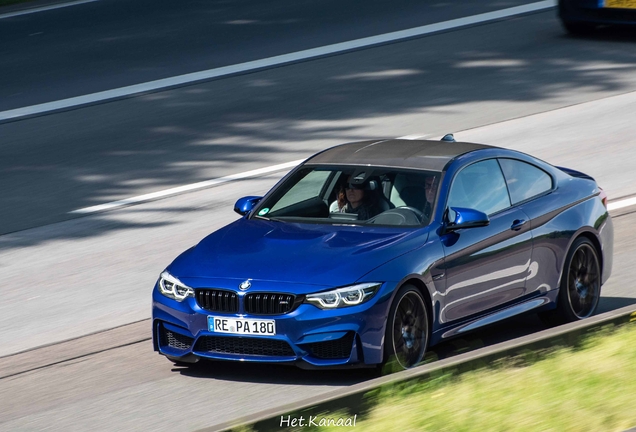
[575,173]
[579,174]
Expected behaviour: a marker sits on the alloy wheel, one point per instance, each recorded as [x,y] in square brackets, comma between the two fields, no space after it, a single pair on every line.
[410,329]
[584,284]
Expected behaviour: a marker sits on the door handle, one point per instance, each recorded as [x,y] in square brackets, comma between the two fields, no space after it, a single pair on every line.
[517,224]
[438,276]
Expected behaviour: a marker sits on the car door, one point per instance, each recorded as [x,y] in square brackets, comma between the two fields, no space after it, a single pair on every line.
[530,187]
[485,267]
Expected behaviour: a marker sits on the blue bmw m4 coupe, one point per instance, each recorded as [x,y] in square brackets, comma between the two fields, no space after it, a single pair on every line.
[373,251]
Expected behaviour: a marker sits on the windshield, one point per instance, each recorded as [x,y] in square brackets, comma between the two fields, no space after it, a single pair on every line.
[353,195]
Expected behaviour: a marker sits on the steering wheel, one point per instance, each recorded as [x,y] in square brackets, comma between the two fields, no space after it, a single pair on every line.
[419,213]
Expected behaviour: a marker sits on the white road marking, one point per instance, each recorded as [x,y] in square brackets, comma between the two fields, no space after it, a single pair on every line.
[412,137]
[621,204]
[186,188]
[44,8]
[273,61]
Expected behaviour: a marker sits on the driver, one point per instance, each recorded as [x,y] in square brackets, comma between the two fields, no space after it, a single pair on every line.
[361,201]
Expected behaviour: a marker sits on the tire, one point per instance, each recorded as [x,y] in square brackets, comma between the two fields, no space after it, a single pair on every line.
[580,288]
[573,27]
[578,29]
[407,329]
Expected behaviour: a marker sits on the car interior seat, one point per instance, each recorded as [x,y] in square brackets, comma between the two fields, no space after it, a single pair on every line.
[414,196]
[375,188]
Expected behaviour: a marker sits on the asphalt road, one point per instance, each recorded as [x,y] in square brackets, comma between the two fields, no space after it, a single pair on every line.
[520,83]
[444,83]
[107,44]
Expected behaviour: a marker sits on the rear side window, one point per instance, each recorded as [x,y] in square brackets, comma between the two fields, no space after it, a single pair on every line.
[480,186]
[524,180]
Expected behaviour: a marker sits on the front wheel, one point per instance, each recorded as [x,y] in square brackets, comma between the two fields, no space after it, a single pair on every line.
[580,288]
[407,330]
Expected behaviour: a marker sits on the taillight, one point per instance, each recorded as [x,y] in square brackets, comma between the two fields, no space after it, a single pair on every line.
[603,197]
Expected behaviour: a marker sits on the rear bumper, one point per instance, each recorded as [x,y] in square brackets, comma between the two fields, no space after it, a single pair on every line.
[606,235]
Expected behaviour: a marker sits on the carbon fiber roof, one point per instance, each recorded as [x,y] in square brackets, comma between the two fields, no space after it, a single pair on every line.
[396,153]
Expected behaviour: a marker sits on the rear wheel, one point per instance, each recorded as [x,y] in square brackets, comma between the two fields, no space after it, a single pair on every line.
[580,288]
[407,329]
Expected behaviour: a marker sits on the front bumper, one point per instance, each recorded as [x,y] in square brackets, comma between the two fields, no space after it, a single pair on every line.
[307,336]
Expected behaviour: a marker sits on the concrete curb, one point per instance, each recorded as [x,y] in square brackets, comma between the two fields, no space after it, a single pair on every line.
[70,349]
[353,396]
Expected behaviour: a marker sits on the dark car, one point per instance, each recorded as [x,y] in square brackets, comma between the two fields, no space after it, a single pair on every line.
[453,236]
[583,16]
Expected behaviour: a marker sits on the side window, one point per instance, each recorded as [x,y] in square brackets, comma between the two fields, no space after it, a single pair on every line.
[524,180]
[480,186]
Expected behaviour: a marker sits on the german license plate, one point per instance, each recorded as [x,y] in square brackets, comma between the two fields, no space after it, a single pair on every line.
[241,326]
[620,4]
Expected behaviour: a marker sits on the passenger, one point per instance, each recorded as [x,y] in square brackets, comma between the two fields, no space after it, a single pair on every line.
[340,204]
[430,186]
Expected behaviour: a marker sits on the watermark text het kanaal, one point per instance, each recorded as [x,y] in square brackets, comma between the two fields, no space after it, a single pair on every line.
[302,421]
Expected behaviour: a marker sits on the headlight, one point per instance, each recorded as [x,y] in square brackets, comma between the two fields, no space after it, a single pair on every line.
[172,287]
[343,297]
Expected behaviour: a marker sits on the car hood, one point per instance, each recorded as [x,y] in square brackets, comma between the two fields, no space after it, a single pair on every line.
[308,254]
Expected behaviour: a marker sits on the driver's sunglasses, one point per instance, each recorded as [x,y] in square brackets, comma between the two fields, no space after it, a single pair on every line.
[354,186]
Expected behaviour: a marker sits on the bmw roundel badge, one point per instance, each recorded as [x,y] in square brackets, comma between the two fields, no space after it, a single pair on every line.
[244,286]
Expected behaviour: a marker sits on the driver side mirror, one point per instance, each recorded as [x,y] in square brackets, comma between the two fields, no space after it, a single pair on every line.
[459,217]
[245,205]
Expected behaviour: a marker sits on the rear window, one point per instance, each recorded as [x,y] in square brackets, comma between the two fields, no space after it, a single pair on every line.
[524,180]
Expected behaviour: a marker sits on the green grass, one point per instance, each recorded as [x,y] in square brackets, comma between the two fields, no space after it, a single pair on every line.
[588,388]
